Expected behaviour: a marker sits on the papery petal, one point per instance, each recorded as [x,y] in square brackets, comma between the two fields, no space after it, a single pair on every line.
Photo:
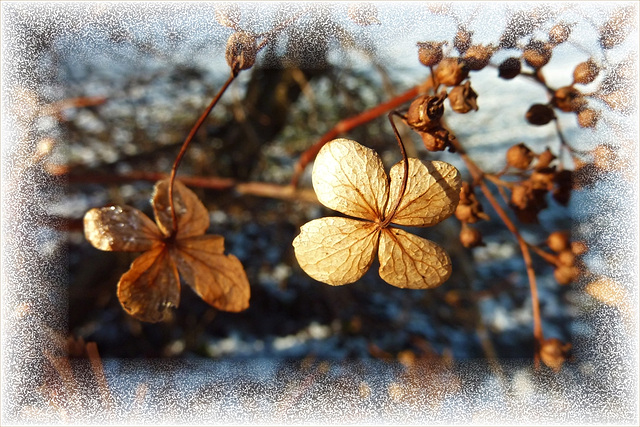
[193,217]
[151,286]
[432,193]
[120,228]
[220,280]
[409,261]
[336,250]
[350,178]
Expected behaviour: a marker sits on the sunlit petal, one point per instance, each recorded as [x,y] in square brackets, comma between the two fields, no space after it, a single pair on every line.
[120,228]
[193,217]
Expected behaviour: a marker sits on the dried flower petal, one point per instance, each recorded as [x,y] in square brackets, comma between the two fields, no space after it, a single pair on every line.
[116,228]
[336,251]
[357,187]
[151,286]
[409,261]
[193,217]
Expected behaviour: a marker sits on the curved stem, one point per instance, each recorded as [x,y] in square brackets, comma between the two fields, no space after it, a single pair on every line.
[183,150]
[405,164]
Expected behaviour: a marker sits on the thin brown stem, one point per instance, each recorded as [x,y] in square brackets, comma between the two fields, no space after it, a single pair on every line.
[405,164]
[185,145]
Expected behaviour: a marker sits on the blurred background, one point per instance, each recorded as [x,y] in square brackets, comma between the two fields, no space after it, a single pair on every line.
[97,95]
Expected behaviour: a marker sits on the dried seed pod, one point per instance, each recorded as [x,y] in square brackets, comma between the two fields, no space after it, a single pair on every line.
[540,114]
[519,156]
[436,139]
[462,98]
[588,118]
[543,178]
[567,257]
[430,53]
[451,72]
[563,181]
[509,68]
[527,202]
[478,56]
[537,54]
[554,353]
[558,241]
[568,99]
[425,112]
[559,33]
[544,159]
[470,237]
[566,274]
[621,100]
[241,51]
[579,248]
[585,72]
[462,40]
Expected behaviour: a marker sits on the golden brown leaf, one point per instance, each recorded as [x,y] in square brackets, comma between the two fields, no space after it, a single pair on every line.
[116,228]
[350,178]
[193,217]
[220,280]
[431,195]
[336,250]
[151,286]
[409,261]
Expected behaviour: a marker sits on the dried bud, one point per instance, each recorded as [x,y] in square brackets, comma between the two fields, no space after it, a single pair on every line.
[568,99]
[363,14]
[519,156]
[579,248]
[558,241]
[228,15]
[585,72]
[425,112]
[588,118]
[540,114]
[509,68]
[567,258]
[462,98]
[241,51]
[477,56]
[621,100]
[470,237]
[563,185]
[527,202]
[566,274]
[537,54]
[430,53]
[554,353]
[451,72]
[544,159]
[543,178]
[436,139]
[462,40]
[559,33]
[470,213]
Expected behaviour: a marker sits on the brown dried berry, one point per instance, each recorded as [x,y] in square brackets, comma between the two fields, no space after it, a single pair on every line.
[509,68]
[566,257]
[430,53]
[462,40]
[527,202]
[568,99]
[537,54]
[543,178]
[558,241]
[462,98]
[588,118]
[585,72]
[451,72]
[540,114]
[426,111]
[436,139]
[477,56]
[579,248]
[559,33]
[241,51]
[566,274]
[544,159]
[470,237]
[519,156]
[554,353]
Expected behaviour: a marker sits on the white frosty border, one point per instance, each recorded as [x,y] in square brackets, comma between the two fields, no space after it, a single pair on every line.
[31,307]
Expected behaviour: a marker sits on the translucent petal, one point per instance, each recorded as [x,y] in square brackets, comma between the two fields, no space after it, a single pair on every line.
[350,178]
[120,228]
[432,193]
[193,217]
[336,250]
[218,279]
[409,261]
[151,286]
